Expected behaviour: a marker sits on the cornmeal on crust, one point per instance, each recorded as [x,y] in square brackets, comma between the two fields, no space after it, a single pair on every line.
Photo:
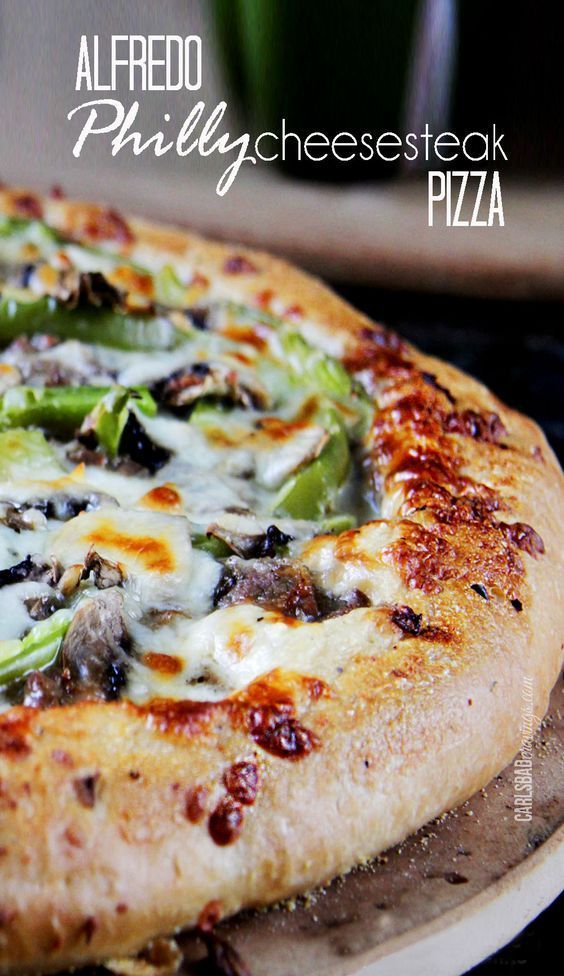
[125,819]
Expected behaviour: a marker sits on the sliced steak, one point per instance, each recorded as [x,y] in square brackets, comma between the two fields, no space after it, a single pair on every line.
[276,584]
[42,690]
[94,652]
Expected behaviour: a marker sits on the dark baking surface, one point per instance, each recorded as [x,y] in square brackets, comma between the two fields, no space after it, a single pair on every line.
[517,349]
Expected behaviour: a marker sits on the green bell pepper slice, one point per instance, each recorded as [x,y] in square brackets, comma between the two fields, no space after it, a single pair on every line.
[37,650]
[103,326]
[208,543]
[25,454]
[110,414]
[169,290]
[311,492]
[29,231]
[313,365]
[62,409]
[10,226]
[209,411]
[338,523]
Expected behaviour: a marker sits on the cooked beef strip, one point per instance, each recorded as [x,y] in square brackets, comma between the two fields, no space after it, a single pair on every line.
[283,585]
[276,584]
[41,607]
[95,649]
[43,690]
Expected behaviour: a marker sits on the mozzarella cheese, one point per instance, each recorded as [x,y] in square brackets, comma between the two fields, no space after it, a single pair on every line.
[223,471]
[153,550]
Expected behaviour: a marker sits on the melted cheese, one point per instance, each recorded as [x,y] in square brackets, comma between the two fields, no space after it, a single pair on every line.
[223,472]
[225,651]
[154,551]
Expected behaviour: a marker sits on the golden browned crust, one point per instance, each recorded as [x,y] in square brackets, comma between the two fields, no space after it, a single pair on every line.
[118,823]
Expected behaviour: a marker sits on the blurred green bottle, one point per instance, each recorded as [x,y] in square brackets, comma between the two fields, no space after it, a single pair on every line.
[336,66]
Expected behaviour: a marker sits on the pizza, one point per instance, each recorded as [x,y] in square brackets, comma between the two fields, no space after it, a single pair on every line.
[271,583]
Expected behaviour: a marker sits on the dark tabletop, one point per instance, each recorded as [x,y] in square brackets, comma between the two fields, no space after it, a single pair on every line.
[517,349]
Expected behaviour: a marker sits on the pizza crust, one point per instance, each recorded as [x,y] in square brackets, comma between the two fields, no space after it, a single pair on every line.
[106,829]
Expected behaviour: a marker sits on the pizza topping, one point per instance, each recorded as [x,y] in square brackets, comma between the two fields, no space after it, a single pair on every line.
[94,651]
[43,606]
[310,493]
[335,604]
[38,649]
[265,545]
[276,584]
[60,506]
[99,225]
[201,379]
[136,444]
[26,569]
[193,506]
[27,205]
[226,821]
[113,328]
[98,412]
[74,288]
[43,690]
[53,363]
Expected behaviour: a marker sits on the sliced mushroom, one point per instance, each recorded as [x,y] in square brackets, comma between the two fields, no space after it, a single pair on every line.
[259,546]
[183,388]
[60,506]
[74,288]
[48,361]
[138,447]
[95,649]
[30,569]
[41,607]
[103,572]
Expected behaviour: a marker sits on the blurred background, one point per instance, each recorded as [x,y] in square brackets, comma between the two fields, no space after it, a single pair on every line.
[489,299]
[330,65]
